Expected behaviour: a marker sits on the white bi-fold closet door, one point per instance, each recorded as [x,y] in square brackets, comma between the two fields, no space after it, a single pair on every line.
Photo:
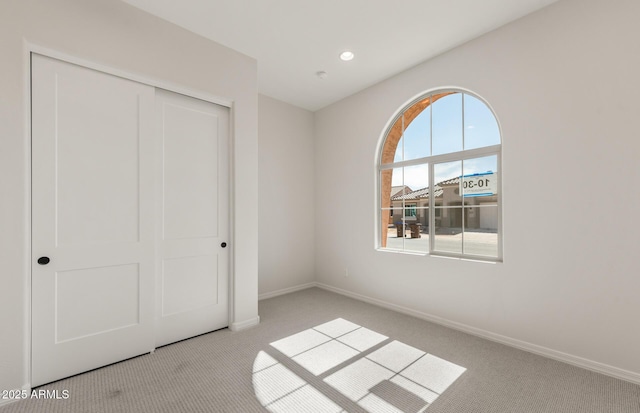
[130,219]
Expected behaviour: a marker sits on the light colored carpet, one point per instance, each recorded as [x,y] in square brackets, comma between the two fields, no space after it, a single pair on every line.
[214,372]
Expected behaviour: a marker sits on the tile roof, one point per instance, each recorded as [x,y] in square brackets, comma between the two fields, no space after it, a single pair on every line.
[423,193]
[451,181]
[397,190]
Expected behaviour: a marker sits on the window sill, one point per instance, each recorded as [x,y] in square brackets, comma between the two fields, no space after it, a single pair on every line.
[479,259]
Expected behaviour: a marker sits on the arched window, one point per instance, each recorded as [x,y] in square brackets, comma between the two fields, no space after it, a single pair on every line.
[439,178]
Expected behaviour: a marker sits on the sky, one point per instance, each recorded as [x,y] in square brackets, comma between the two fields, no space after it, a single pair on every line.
[439,130]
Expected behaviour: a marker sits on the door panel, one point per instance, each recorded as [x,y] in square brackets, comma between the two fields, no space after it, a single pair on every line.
[109,300]
[190,156]
[97,128]
[93,216]
[192,289]
[180,274]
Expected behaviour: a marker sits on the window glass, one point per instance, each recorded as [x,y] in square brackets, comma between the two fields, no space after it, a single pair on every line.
[448,202]
[391,180]
[392,148]
[410,211]
[416,177]
[480,126]
[417,141]
[447,183]
[447,124]
[481,230]
[479,188]
[417,230]
[479,179]
[398,157]
[481,164]
[393,235]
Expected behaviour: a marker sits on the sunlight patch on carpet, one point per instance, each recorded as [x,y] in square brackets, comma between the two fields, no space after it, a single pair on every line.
[340,356]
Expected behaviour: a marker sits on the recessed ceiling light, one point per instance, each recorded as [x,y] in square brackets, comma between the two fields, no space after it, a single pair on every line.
[346,55]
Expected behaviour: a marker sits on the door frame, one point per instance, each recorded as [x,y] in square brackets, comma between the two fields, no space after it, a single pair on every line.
[28,50]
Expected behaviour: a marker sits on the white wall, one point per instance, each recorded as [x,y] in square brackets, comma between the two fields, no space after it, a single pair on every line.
[286,196]
[565,85]
[116,35]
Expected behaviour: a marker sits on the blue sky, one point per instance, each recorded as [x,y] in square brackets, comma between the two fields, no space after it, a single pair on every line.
[445,136]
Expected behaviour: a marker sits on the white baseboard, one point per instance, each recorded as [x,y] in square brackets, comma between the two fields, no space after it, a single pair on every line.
[243,325]
[595,366]
[286,290]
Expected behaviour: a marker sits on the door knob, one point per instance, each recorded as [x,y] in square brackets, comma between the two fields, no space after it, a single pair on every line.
[223,245]
[43,260]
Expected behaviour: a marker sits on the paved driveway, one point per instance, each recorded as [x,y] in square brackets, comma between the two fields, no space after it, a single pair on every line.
[476,243]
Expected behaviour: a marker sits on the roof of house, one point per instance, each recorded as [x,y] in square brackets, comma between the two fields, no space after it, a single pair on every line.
[423,193]
[397,190]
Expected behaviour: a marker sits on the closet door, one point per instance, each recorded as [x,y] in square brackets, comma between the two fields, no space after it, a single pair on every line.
[93,219]
[193,224]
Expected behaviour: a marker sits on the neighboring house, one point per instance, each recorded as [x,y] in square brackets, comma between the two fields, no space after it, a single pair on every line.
[480,212]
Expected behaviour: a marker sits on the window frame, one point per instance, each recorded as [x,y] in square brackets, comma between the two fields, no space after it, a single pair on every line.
[430,161]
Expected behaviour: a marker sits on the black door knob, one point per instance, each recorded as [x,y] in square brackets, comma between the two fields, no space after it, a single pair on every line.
[43,260]
[223,245]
